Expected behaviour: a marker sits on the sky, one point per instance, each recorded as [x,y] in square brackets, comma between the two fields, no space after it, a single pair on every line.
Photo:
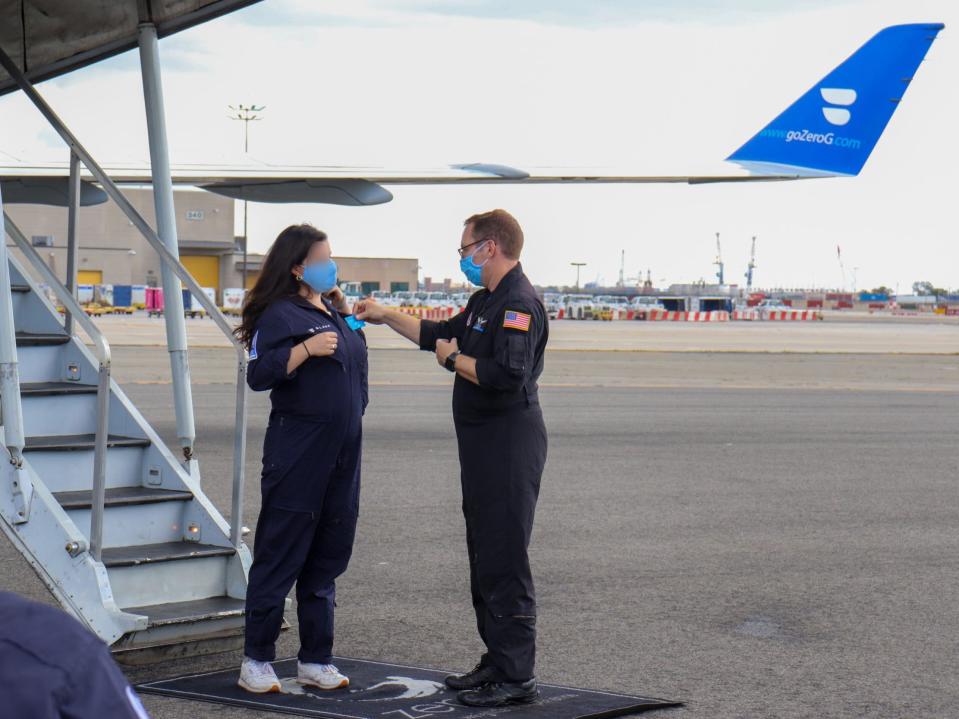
[640,85]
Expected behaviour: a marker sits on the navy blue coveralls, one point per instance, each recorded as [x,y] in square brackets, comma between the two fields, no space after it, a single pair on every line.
[311,475]
[502,449]
[51,667]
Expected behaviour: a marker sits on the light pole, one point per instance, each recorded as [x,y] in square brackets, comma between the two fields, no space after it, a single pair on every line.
[578,266]
[246,114]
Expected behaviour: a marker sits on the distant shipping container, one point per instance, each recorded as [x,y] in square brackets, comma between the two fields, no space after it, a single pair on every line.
[122,296]
[233,298]
[153,299]
[103,294]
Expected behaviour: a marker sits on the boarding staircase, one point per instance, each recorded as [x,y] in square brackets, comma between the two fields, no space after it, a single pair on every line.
[171,576]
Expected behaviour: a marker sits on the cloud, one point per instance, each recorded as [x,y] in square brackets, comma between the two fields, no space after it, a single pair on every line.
[570,13]
[417,83]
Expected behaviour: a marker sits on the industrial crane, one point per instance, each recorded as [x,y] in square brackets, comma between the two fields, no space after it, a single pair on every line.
[842,267]
[719,262]
[750,267]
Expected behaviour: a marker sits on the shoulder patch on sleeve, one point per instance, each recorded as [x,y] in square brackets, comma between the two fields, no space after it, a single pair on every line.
[253,345]
[514,320]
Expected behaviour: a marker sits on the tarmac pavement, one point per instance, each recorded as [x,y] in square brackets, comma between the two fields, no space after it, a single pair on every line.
[759,535]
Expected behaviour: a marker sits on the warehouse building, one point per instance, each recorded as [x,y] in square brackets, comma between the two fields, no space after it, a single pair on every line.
[113,252]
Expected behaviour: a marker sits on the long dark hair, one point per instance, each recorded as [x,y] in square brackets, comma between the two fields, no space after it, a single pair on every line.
[276,279]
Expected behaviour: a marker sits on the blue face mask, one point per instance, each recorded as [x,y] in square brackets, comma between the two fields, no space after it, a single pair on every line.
[320,276]
[473,272]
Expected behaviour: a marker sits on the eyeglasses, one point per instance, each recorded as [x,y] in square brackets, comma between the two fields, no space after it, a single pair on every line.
[463,249]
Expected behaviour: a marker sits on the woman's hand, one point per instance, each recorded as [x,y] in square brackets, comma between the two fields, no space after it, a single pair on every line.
[338,299]
[322,345]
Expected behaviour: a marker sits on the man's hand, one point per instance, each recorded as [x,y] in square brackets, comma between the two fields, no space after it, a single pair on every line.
[369,311]
[444,348]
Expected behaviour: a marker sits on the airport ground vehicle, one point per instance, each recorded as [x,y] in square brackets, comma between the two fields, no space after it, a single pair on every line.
[772,305]
[646,302]
[387,299]
[578,307]
[353,290]
[553,301]
[436,299]
[611,302]
[404,298]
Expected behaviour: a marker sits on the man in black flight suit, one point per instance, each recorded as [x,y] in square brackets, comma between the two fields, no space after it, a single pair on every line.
[495,347]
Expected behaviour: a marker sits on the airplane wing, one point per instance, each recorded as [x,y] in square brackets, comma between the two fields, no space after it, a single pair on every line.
[830,131]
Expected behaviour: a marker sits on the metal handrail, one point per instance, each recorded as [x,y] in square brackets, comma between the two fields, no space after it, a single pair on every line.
[239,442]
[102,348]
[11,411]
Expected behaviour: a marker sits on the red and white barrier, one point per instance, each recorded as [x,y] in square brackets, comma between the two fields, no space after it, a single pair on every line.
[777,315]
[429,313]
[792,315]
[666,316]
[752,315]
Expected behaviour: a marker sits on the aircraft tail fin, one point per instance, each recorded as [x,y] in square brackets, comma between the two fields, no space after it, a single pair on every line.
[832,129]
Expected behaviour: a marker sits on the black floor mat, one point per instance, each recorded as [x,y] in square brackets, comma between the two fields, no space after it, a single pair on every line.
[391,691]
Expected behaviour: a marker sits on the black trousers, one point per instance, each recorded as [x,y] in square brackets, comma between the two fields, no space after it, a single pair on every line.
[311,548]
[501,464]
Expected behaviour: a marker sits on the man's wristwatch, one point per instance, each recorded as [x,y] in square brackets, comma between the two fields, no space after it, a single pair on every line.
[450,363]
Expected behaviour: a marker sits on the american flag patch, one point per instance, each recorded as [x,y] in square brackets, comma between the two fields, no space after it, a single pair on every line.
[516,321]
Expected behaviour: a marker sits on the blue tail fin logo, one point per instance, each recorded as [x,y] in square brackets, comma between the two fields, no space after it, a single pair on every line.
[833,127]
[837,96]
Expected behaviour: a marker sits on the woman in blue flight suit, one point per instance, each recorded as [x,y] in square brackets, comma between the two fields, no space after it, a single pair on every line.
[306,347]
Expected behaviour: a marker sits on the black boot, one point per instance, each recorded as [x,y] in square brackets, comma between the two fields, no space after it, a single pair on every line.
[480,675]
[499,694]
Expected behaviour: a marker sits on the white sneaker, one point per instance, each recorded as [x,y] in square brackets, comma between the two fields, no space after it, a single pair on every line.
[258,677]
[324,676]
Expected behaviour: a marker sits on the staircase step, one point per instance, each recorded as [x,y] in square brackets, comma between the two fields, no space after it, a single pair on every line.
[46,389]
[35,339]
[191,612]
[164,552]
[121,496]
[68,442]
